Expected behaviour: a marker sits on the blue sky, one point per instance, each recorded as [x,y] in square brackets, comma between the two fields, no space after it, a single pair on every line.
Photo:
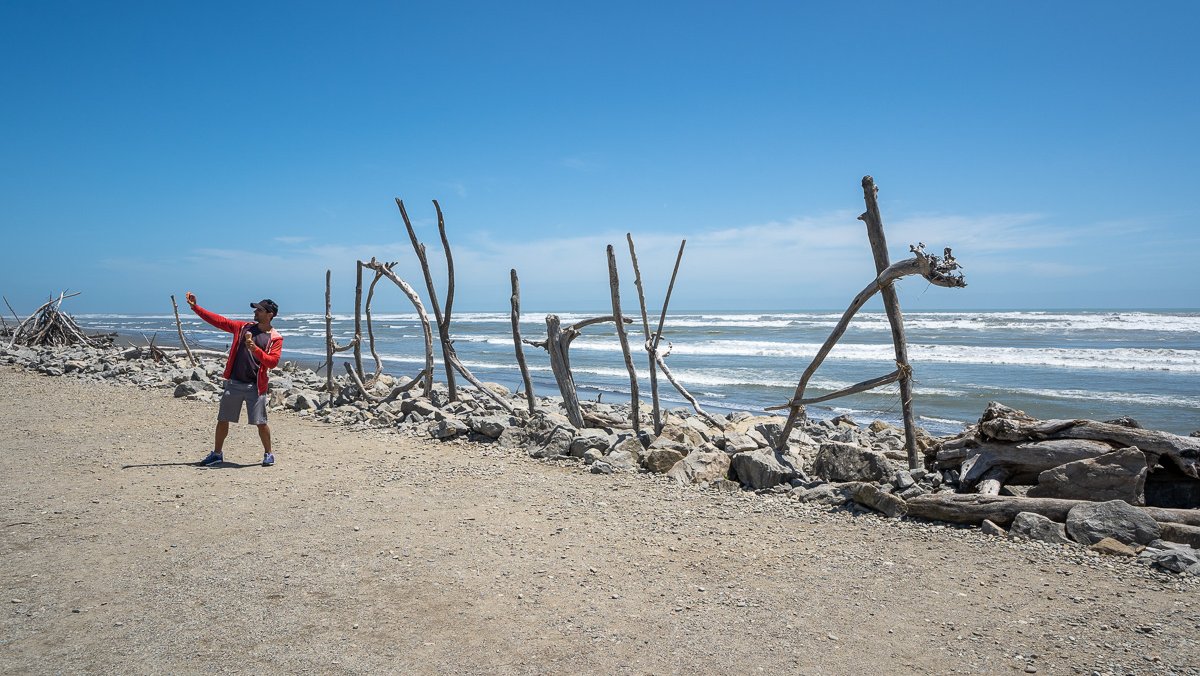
[241,149]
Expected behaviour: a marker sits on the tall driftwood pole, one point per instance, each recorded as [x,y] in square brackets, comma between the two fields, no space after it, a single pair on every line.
[656,411]
[179,328]
[371,327]
[328,337]
[515,302]
[358,365]
[891,303]
[388,270]
[614,285]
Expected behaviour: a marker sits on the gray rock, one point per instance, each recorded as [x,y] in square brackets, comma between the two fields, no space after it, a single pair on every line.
[1091,522]
[1174,560]
[1120,475]
[912,492]
[422,407]
[543,424]
[678,434]
[592,455]
[188,387]
[557,444]
[490,426]
[448,428]
[590,439]
[736,442]
[660,460]
[848,462]
[701,466]
[302,401]
[622,460]
[1040,528]
[764,468]
[601,467]
[902,479]
[1113,547]
[630,446]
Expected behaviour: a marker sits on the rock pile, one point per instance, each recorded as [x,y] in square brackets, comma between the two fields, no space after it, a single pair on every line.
[835,463]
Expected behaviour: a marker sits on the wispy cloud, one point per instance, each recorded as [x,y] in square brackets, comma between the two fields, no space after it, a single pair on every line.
[292,240]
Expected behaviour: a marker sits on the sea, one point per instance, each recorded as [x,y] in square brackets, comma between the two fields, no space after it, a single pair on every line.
[1053,364]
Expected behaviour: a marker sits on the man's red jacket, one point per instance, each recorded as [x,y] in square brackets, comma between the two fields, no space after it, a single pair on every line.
[267,359]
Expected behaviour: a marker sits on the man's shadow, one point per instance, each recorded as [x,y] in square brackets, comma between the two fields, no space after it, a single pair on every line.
[197,465]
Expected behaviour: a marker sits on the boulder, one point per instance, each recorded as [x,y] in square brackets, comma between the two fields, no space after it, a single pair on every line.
[737,442]
[189,387]
[1040,528]
[490,426]
[1091,522]
[834,495]
[660,460]
[558,443]
[848,462]
[701,466]
[1119,475]
[629,446]
[990,528]
[302,401]
[590,439]
[1174,560]
[679,434]
[448,428]
[764,468]
[621,460]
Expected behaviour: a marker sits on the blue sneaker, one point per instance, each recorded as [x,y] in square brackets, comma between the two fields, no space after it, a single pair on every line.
[213,458]
[268,459]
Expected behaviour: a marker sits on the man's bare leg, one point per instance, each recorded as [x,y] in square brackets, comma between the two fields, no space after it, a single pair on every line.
[222,432]
[264,435]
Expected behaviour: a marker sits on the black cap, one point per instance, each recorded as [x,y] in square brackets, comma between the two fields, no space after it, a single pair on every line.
[266,305]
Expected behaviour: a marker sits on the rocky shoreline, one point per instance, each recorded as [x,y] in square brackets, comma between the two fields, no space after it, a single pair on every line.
[828,465]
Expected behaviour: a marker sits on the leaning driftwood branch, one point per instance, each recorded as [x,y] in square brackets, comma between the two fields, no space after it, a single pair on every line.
[179,328]
[386,269]
[614,286]
[515,302]
[662,364]
[331,346]
[853,389]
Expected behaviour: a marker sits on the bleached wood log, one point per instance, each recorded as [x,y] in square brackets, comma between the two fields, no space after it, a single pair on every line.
[971,508]
[655,410]
[558,345]
[1023,462]
[358,365]
[515,303]
[371,327]
[614,287]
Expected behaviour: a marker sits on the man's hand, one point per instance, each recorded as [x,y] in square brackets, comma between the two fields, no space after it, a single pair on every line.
[190,298]
[248,340]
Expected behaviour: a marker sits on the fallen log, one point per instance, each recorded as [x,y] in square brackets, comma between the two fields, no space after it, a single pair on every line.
[972,509]
[1024,462]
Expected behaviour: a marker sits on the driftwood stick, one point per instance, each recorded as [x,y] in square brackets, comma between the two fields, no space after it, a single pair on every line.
[614,286]
[179,328]
[662,318]
[444,321]
[362,389]
[442,327]
[358,365]
[656,411]
[686,395]
[401,389]
[328,338]
[891,304]
[371,327]
[515,302]
[558,343]
[10,309]
[386,269]
[853,389]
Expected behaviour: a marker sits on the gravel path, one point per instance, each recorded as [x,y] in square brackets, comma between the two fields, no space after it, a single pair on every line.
[368,551]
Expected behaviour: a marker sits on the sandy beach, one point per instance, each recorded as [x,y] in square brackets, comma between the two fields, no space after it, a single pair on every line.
[370,552]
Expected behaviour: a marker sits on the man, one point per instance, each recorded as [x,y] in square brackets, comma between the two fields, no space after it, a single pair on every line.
[255,351]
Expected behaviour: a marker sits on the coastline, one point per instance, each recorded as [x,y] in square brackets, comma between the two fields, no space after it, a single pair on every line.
[371,550]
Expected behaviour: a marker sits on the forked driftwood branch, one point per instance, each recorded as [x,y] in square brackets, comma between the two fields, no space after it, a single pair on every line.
[515,303]
[660,359]
[371,327]
[655,410]
[443,320]
[938,271]
[558,344]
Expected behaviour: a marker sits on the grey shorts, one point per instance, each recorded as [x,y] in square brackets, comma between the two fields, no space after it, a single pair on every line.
[232,397]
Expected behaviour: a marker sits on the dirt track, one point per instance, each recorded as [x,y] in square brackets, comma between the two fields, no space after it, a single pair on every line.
[374,552]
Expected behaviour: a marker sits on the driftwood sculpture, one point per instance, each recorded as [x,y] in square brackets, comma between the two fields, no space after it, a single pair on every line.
[515,303]
[558,345]
[49,326]
[938,271]
[387,270]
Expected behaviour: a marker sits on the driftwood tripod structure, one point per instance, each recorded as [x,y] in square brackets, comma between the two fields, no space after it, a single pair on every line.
[939,271]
